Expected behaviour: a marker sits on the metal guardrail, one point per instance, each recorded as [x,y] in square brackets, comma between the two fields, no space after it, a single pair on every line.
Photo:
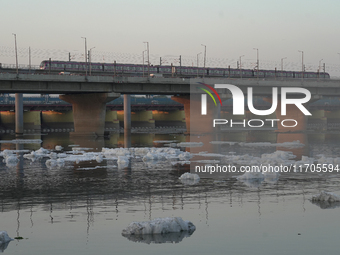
[118,101]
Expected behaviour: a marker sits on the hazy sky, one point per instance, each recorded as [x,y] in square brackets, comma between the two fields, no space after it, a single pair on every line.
[229,29]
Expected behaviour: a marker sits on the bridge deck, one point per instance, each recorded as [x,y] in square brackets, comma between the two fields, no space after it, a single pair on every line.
[65,84]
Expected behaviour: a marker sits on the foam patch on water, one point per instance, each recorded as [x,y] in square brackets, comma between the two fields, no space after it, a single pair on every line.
[190,144]
[326,197]
[189,178]
[165,141]
[4,238]
[159,226]
[294,144]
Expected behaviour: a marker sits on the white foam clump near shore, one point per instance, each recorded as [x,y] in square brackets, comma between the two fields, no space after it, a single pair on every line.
[189,178]
[11,160]
[123,161]
[159,226]
[276,158]
[190,144]
[326,197]
[122,155]
[4,238]
[147,154]
[294,144]
[58,148]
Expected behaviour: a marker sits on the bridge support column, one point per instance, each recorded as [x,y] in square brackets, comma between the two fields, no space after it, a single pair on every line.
[89,112]
[185,100]
[127,113]
[286,123]
[19,114]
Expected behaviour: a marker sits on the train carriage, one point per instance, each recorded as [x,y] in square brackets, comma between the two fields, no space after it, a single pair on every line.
[166,71]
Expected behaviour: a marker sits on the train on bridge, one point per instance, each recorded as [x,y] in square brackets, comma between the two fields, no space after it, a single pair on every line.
[118,69]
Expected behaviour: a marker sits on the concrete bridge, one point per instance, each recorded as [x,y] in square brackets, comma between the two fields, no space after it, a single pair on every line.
[75,84]
[89,94]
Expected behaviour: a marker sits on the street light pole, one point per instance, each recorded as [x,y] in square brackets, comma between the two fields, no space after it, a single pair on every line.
[29,59]
[257,62]
[241,66]
[90,58]
[197,62]
[282,66]
[319,68]
[85,56]
[147,44]
[302,64]
[205,55]
[16,53]
[143,61]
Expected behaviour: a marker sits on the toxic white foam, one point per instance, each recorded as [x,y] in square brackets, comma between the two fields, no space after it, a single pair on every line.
[159,226]
[190,144]
[326,197]
[4,238]
[189,178]
[58,148]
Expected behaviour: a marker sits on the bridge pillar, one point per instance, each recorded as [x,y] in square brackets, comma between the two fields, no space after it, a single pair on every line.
[292,113]
[89,112]
[185,100]
[127,113]
[19,114]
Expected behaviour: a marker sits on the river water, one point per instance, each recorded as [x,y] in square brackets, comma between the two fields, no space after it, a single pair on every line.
[81,205]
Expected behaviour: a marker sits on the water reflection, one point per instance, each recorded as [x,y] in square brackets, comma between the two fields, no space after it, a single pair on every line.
[159,238]
[3,246]
[326,204]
